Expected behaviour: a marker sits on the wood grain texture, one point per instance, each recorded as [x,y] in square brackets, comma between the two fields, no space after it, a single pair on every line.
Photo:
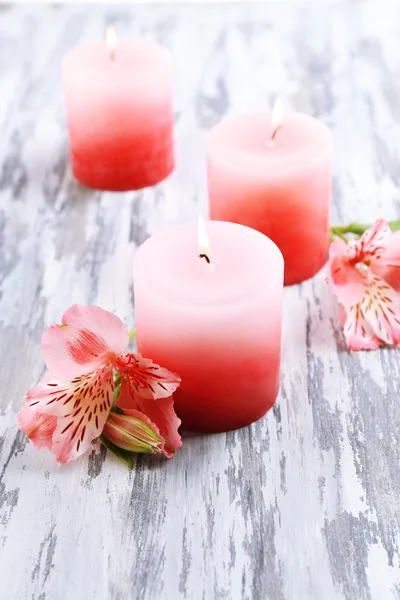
[304,504]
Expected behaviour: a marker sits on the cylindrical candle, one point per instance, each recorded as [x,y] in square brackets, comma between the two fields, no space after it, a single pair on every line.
[218,326]
[120,114]
[282,187]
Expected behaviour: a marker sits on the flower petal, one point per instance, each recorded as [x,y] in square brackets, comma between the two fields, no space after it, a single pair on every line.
[81,405]
[347,282]
[38,427]
[160,412]
[381,308]
[358,332]
[88,338]
[145,377]
[374,240]
[387,263]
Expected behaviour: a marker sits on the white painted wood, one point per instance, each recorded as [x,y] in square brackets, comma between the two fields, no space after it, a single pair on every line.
[304,504]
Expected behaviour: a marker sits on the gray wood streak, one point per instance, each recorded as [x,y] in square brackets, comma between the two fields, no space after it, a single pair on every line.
[305,503]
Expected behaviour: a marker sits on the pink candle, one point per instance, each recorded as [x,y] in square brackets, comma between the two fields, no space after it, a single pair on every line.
[282,187]
[119,112]
[218,326]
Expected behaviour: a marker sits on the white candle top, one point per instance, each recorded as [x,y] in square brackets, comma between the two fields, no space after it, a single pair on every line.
[245,261]
[127,57]
[245,141]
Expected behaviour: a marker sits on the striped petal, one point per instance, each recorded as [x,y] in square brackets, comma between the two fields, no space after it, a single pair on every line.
[81,405]
[380,248]
[386,264]
[381,308]
[358,332]
[374,240]
[145,377]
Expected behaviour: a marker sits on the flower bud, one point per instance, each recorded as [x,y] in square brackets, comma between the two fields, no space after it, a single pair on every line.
[132,434]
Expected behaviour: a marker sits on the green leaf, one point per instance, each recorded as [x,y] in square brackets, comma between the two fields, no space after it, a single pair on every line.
[122,455]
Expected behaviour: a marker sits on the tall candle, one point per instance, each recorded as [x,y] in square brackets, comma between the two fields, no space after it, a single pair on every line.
[217,325]
[280,186]
[119,112]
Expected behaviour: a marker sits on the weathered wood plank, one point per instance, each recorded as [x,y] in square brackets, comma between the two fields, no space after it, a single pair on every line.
[302,505]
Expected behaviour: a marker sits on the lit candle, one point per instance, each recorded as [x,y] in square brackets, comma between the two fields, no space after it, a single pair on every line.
[119,111]
[275,174]
[212,314]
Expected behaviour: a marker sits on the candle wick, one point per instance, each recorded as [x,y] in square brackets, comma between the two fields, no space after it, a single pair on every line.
[275,131]
[208,261]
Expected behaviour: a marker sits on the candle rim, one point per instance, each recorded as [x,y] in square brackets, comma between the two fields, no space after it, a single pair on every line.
[190,304]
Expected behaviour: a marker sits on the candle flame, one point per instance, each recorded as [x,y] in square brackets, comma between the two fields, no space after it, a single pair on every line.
[111,41]
[276,118]
[204,242]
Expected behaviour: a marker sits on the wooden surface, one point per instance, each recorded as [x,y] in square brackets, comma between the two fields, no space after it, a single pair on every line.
[304,504]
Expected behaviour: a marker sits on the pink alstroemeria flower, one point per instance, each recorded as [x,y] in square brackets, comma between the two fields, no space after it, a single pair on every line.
[361,274]
[68,409]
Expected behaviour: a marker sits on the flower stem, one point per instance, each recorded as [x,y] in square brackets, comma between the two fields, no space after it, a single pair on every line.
[337,232]
[357,229]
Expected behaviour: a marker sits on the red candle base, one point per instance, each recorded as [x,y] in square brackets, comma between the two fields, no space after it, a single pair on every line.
[310,264]
[305,251]
[216,415]
[125,175]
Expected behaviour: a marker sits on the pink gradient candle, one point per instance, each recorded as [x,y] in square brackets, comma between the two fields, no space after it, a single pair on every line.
[218,326]
[282,187]
[119,112]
